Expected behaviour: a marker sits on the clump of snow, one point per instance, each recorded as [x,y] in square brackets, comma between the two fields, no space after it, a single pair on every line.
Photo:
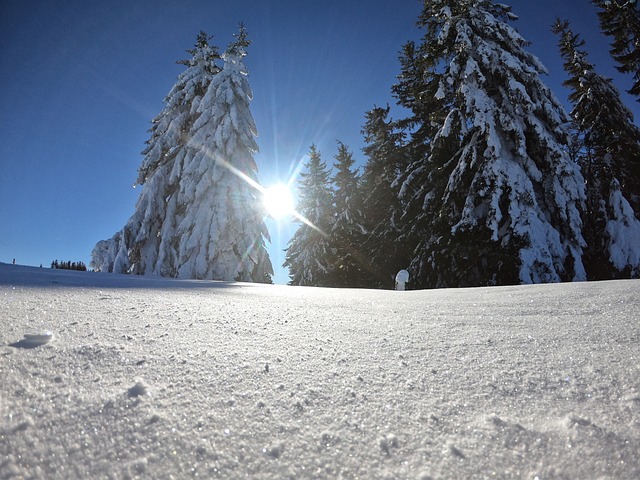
[526,381]
[33,340]
[402,278]
[138,389]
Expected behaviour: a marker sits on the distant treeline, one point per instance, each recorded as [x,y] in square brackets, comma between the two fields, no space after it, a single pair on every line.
[69,265]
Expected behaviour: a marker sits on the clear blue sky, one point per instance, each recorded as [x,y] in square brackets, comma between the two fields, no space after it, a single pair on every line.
[81,81]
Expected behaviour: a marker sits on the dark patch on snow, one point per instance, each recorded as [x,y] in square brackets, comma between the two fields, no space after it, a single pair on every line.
[274,451]
[24,343]
[456,452]
[387,443]
[139,389]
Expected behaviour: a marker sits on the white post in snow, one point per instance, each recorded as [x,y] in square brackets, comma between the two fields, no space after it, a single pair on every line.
[402,277]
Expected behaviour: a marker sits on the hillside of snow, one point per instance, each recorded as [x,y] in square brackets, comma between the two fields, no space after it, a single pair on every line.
[156,378]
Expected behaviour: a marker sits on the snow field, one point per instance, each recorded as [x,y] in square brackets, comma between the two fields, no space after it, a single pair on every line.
[156,378]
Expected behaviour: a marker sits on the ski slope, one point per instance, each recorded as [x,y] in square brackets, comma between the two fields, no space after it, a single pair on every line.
[156,378]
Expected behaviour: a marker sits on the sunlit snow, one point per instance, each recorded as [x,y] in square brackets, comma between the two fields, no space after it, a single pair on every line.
[148,377]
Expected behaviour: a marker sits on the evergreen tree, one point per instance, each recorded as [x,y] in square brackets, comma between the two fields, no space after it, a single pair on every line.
[620,19]
[609,155]
[309,254]
[381,205]
[196,216]
[498,194]
[68,265]
[222,236]
[347,232]
[415,91]
[145,245]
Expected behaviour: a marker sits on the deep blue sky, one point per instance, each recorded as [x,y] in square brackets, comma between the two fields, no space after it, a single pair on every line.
[80,82]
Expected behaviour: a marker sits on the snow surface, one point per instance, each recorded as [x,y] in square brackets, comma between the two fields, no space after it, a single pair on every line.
[158,378]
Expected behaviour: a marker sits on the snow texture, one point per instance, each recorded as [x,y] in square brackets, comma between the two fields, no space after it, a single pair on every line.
[161,378]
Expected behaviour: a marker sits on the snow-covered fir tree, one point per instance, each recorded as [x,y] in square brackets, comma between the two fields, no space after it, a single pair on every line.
[145,244]
[416,91]
[608,149]
[347,232]
[620,19]
[499,195]
[222,235]
[381,207]
[198,215]
[412,92]
[309,255]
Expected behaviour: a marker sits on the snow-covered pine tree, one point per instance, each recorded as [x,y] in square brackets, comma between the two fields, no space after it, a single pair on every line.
[145,245]
[309,255]
[609,144]
[501,195]
[222,234]
[416,91]
[620,19]
[212,220]
[347,232]
[381,205]
[413,93]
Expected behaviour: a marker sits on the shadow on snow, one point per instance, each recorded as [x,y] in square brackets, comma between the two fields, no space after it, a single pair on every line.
[22,276]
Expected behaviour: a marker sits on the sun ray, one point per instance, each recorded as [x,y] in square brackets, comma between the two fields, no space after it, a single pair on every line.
[262,190]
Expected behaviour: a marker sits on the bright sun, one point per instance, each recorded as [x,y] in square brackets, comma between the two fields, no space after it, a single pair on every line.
[278,201]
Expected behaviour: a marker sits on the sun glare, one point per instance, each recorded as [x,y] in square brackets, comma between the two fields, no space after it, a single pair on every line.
[278,201]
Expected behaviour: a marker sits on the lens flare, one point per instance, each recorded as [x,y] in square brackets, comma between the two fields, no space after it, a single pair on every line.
[262,190]
[278,201]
